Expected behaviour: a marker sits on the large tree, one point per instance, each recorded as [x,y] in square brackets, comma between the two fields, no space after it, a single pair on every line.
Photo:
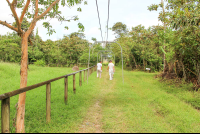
[34,10]
[120,29]
[183,16]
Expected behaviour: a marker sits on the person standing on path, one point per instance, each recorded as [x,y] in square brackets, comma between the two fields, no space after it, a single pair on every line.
[111,69]
[99,69]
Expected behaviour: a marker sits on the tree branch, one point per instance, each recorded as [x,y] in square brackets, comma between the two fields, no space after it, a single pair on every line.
[36,17]
[33,23]
[12,7]
[63,19]
[14,2]
[24,11]
[8,2]
[36,9]
[29,40]
[8,25]
[48,9]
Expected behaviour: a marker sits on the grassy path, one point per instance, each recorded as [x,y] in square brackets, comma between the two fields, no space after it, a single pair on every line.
[93,121]
[139,105]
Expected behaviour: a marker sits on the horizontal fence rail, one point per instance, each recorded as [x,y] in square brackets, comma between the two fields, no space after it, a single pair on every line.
[5,98]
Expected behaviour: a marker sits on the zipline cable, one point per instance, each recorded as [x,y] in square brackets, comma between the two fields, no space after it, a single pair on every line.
[99,20]
[108,20]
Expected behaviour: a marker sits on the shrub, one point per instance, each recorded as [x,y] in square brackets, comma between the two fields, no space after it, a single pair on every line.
[40,63]
[105,64]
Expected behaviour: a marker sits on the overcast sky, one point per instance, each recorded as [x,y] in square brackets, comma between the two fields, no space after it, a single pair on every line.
[129,12]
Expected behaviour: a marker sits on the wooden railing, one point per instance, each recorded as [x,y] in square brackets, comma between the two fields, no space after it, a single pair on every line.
[5,98]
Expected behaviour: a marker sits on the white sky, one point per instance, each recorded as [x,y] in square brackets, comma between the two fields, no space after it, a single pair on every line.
[129,12]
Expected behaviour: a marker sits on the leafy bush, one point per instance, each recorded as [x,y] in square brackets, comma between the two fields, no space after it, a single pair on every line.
[40,63]
[105,64]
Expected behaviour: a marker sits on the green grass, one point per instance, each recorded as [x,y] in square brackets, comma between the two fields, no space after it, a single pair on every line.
[64,118]
[142,104]
[184,91]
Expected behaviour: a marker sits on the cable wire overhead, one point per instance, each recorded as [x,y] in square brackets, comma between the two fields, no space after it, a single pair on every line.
[99,20]
[108,20]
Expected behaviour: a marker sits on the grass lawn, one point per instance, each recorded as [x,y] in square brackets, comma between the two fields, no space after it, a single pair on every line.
[142,104]
[64,118]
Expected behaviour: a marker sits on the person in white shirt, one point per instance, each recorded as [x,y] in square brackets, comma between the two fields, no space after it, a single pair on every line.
[99,69]
[111,69]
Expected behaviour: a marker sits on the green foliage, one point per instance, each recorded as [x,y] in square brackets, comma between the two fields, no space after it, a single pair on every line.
[40,63]
[120,29]
[10,48]
[81,27]
[105,64]
[49,28]
[43,5]
[177,41]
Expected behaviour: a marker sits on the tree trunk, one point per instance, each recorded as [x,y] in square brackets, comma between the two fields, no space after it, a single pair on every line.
[164,56]
[144,64]
[134,61]
[198,72]
[184,73]
[23,83]
[164,59]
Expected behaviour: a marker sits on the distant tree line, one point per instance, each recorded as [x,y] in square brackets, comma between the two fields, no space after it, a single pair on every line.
[70,50]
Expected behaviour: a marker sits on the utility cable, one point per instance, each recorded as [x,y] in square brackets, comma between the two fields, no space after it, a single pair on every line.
[108,20]
[99,20]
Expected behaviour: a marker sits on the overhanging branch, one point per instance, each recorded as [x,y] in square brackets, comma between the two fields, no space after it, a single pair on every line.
[8,25]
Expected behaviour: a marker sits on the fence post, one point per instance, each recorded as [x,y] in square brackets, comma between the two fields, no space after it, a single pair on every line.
[80,78]
[48,102]
[90,71]
[5,115]
[84,76]
[74,83]
[66,90]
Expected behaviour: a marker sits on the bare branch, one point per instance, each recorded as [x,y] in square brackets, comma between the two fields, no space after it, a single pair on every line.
[24,11]
[8,25]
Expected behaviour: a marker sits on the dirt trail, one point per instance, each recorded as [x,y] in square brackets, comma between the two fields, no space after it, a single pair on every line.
[92,122]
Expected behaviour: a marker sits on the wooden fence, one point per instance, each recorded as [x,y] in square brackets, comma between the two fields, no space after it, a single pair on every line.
[5,98]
